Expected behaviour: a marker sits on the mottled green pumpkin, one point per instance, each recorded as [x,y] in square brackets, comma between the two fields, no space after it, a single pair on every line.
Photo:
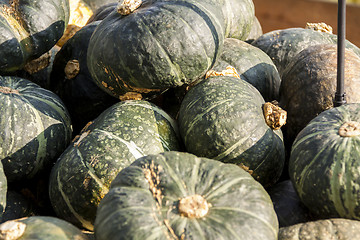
[3,191]
[121,134]
[222,118]
[326,229]
[40,227]
[176,195]
[253,64]
[29,29]
[324,163]
[35,127]
[161,44]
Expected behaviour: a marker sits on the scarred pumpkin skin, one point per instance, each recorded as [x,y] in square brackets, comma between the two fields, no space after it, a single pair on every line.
[3,191]
[28,29]
[221,118]
[325,161]
[161,44]
[335,228]
[35,127]
[147,200]
[121,134]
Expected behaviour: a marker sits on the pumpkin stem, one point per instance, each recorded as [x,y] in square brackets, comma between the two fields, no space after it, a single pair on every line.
[194,206]
[12,230]
[125,7]
[319,27]
[275,117]
[229,71]
[72,69]
[38,64]
[349,129]
[8,90]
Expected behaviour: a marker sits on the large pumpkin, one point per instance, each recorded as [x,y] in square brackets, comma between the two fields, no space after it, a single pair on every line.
[159,45]
[325,160]
[222,118]
[28,29]
[35,127]
[121,134]
[176,195]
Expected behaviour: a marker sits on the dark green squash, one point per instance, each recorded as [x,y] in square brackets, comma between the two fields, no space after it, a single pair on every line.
[222,118]
[161,44]
[72,82]
[40,227]
[29,29]
[3,191]
[326,229]
[309,82]
[35,127]
[324,163]
[253,64]
[176,195]
[121,134]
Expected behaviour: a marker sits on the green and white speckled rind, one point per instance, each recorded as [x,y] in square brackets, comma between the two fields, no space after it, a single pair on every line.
[35,127]
[42,227]
[324,167]
[121,134]
[3,191]
[222,118]
[240,207]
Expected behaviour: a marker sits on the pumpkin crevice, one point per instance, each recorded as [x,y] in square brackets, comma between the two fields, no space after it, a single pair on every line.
[194,206]
[349,129]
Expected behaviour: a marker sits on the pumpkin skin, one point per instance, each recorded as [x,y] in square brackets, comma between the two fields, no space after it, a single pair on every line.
[102,12]
[326,163]
[121,134]
[162,44]
[308,85]
[3,191]
[221,118]
[255,32]
[145,201]
[335,228]
[41,227]
[82,97]
[253,64]
[29,29]
[36,128]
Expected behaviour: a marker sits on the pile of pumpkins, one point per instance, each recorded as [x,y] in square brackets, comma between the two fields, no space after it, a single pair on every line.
[173,119]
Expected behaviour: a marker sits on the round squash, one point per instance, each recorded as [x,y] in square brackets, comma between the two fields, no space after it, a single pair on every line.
[222,118]
[159,45]
[121,134]
[40,227]
[3,191]
[253,64]
[176,195]
[29,29]
[325,229]
[325,159]
[308,85]
[35,127]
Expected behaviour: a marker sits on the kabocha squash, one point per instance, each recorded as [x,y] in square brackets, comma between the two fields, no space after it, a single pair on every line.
[72,82]
[35,127]
[159,45]
[325,159]
[335,228]
[176,195]
[308,85]
[222,118]
[3,191]
[40,227]
[121,134]
[29,29]
[253,64]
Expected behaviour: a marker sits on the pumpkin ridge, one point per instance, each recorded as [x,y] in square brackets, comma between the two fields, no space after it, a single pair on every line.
[212,193]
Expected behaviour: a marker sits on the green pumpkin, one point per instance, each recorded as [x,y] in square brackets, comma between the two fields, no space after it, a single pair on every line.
[40,227]
[253,64]
[176,195]
[29,29]
[325,229]
[35,127]
[161,44]
[222,118]
[325,159]
[3,191]
[121,134]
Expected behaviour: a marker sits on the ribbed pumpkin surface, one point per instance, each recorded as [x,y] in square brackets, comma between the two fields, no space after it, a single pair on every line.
[121,134]
[147,201]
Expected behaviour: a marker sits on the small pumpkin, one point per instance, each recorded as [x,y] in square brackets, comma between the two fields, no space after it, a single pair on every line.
[118,136]
[325,159]
[35,127]
[176,195]
[222,118]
